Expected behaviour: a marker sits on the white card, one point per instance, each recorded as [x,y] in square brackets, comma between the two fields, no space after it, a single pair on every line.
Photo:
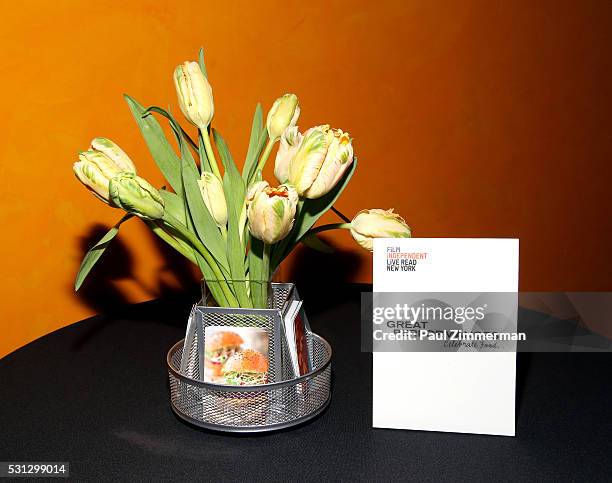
[289,323]
[462,392]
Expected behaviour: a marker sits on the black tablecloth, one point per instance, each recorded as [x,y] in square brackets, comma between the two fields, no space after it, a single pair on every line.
[95,394]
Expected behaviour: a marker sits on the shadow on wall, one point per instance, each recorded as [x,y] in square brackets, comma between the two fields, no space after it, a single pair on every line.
[100,291]
[319,276]
[316,274]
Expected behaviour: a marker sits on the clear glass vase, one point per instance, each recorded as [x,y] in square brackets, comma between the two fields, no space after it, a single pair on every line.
[240,293]
[246,294]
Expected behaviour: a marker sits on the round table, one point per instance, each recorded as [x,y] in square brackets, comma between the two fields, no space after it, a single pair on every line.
[95,394]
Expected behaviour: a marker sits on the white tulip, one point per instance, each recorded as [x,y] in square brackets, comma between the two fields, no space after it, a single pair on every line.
[322,158]
[375,223]
[271,213]
[97,166]
[194,94]
[214,197]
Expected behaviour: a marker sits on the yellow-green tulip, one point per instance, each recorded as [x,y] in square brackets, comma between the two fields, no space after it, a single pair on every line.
[136,195]
[376,223]
[113,152]
[284,113]
[271,212]
[322,158]
[97,166]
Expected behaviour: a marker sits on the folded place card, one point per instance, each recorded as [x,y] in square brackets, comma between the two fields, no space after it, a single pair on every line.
[463,392]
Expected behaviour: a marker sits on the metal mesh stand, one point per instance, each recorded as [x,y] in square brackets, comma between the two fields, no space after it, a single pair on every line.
[252,408]
[286,401]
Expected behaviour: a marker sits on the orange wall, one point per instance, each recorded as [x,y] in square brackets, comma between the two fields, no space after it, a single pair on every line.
[471,118]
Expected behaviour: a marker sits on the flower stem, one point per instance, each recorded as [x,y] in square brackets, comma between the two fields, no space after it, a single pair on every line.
[183,249]
[266,154]
[242,220]
[212,161]
[265,272]
[330,226]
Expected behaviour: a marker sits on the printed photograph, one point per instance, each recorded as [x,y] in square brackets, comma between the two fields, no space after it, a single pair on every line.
[237,356]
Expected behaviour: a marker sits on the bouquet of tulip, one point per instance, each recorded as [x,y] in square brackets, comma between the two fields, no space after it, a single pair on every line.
[234,226]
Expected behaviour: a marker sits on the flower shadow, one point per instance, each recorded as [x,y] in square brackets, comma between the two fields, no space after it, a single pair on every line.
[102,292]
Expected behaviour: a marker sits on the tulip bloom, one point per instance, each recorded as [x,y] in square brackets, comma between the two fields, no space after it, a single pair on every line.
[271,213]
[135,195]
[289,144]
[214,197]
[322,158]
[370,224]
[97,166]
[254,190]
[284,113]
[194,94]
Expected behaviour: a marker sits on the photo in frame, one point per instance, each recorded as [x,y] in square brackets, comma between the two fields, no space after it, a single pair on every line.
[254,329]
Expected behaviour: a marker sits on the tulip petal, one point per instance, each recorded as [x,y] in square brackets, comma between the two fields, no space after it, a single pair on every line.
[114,153]
[259,136]
[271,213]
[93,178]
[376,223]
[136,195]
[338,159]
[304,167]
[161,150]
[289,144]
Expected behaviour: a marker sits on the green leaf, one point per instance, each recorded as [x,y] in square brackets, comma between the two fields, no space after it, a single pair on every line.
[255,257]
[95,252]
[309,211]
[161,150]
[233,186]
[201,62]
[313,241]
[257,176]
[259,136]
[176,127]
[203,222]
[175,205]
[172,238]
[226,157]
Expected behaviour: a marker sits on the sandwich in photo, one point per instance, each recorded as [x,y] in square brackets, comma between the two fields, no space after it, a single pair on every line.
[220,347]
[246,368]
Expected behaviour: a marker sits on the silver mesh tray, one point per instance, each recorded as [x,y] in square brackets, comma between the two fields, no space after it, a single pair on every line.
[266,407]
